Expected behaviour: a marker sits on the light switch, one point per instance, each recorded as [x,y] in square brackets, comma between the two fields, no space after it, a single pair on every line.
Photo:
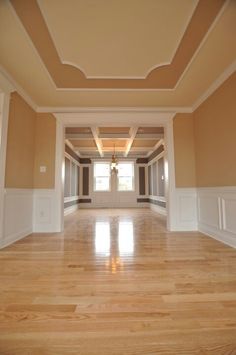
[43,169]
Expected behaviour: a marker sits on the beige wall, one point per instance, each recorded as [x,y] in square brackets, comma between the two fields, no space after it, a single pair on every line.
[45,145]
[185,174]
[20,144]
[215,137]
[205,141]
[30,144]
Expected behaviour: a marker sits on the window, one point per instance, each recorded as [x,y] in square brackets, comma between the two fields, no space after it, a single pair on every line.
[102,176]
[125,177]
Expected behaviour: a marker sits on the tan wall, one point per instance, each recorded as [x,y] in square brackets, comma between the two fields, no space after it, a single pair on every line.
[215,137]
[20,144]
[45,145]
[30,144]
[185,174]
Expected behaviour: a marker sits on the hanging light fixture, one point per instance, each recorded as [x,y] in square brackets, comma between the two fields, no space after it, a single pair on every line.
[114,162]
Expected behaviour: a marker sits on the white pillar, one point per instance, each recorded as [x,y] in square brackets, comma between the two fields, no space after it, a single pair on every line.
[5,91]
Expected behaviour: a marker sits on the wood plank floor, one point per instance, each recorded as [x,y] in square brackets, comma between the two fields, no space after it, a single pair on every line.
[115,282]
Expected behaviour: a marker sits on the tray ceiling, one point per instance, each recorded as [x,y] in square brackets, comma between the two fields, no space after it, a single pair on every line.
[116,54]
[128,38]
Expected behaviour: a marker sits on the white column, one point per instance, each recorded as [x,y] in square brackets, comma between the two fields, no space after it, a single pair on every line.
[170,177]
[5,91]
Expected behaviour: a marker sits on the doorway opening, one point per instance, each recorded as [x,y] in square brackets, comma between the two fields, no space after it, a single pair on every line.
[141,175]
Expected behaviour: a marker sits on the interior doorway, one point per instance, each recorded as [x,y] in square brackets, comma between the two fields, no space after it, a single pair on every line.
[115,167]
[114,118]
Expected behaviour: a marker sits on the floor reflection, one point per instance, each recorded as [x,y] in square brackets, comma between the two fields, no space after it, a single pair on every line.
[102,238]
[126,238]
[114,247]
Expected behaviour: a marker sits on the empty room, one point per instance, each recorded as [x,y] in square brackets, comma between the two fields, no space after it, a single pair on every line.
[117,177]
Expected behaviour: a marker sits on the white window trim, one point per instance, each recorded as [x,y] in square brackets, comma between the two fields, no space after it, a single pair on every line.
[133,176]
[94,178]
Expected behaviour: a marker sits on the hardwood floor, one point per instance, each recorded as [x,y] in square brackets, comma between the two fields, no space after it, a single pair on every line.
[115,282]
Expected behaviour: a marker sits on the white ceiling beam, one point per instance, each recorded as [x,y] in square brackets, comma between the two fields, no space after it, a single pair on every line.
[98,142]
[86,148]
[80,136]
[140,149]
[132,133]
[114,136]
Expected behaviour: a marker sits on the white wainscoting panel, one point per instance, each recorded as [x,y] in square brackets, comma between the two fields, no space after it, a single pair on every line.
[186,209]
[217,213]
[18,215]
[45,211]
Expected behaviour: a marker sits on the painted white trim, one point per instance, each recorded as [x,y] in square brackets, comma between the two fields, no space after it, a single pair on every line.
[71,198]
[158,209]
[216,234]
[70,209]
[15,237]
[5,100]
[161,155]
[67,62]
[155,109]
[215,85]
[60,174]
[16,87]
[95,133]
[216,213]
[186,209]
[132,133]
[157,198]
[202,43]
[6,89]
[5,85]
[72,159]
[170,177]
[31,44]
[80,109]
[18,215]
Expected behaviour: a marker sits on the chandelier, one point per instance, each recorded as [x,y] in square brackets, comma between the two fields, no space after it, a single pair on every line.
[114,162]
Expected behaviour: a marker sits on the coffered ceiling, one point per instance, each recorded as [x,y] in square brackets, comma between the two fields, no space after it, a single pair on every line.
[124,141]
[162,53]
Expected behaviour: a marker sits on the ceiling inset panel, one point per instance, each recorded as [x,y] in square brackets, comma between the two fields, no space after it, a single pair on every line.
[114,130]
[114,143]
[127,37]
[163,73]
[83,143]
[151,130]
[144,143]
[41,75]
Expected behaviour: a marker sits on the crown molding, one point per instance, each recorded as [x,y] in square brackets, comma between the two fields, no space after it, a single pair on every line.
[202,42]
[168,109]
[215,85]
[5,85]
[16,87]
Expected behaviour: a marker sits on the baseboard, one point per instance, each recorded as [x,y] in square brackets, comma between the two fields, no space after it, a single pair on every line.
[70,209]
[158,209]
[219,235]
[15,237]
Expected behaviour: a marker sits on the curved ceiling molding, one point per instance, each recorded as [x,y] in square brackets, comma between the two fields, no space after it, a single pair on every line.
[66,76]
